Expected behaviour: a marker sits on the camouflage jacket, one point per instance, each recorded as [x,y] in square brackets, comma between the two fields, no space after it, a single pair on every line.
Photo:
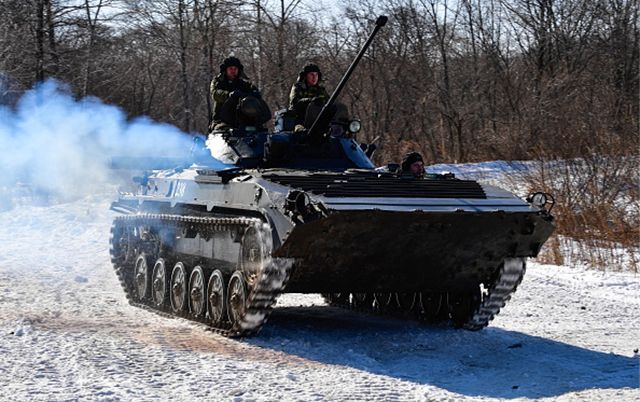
[222,87]
[301,92]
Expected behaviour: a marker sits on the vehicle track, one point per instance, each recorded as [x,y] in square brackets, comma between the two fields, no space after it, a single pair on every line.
[127,242]
[480,310]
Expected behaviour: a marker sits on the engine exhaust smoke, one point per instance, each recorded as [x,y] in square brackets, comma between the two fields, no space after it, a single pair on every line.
[63,147]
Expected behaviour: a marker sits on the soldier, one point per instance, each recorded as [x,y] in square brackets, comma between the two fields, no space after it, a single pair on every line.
[307,90]
[231,79]
[413,164]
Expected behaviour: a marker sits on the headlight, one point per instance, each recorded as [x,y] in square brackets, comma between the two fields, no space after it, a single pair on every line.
[539,200]
[355,126]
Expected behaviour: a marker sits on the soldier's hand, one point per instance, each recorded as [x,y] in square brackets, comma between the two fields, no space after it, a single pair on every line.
[221,94]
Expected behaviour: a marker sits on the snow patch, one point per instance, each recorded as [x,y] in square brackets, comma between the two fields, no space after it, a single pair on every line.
[568,333]
[80,279]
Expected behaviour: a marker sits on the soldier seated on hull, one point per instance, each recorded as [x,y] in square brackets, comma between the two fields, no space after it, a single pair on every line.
[413,165]
[227,88]
[307,91]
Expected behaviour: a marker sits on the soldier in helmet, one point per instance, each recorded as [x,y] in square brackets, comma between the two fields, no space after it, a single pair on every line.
[225,86]
[307,90]
[413,164]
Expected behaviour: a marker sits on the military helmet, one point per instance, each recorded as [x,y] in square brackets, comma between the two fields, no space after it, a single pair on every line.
[232,61]
[310,68]
[409,159]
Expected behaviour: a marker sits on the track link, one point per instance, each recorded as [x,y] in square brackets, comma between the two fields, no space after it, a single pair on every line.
[511,274]
[497,295]
[272,278]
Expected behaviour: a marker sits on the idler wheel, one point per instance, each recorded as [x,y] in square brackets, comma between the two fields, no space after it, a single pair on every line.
[141,276]
[197,302]
[178,294]
[237,297]
[216,297]
[159,282]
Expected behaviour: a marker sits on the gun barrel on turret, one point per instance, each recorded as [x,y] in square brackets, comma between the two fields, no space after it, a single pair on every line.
[316,128]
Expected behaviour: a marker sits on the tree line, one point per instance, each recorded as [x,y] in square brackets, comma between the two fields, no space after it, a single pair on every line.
[458,80]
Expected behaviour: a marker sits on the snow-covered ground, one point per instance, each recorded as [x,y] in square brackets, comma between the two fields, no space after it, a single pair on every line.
[67,333]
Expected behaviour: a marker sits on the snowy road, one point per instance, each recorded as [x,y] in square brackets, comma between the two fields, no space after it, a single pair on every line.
[66,332]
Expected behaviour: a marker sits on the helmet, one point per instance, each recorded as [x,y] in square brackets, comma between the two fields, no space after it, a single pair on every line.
[232,61]
[310,68]
[409,159]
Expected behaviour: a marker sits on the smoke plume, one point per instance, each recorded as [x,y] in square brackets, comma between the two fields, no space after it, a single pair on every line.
[64,147]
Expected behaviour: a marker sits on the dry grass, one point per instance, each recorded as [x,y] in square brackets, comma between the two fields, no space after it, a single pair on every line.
[597,211]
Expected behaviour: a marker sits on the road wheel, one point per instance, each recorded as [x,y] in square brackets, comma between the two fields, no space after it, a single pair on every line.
[178,292]
[197,293]
[432,306]
[382,301]
[361,300]
[159,283]
[237,298]
[141,277]
[216,297]
[406,301]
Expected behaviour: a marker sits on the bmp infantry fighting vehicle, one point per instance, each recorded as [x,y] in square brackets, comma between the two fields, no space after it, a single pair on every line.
[308,212]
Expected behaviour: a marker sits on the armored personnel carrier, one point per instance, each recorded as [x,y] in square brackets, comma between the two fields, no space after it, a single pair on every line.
[308,212]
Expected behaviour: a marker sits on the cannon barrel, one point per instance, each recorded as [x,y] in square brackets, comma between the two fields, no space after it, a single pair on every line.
[316,127]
